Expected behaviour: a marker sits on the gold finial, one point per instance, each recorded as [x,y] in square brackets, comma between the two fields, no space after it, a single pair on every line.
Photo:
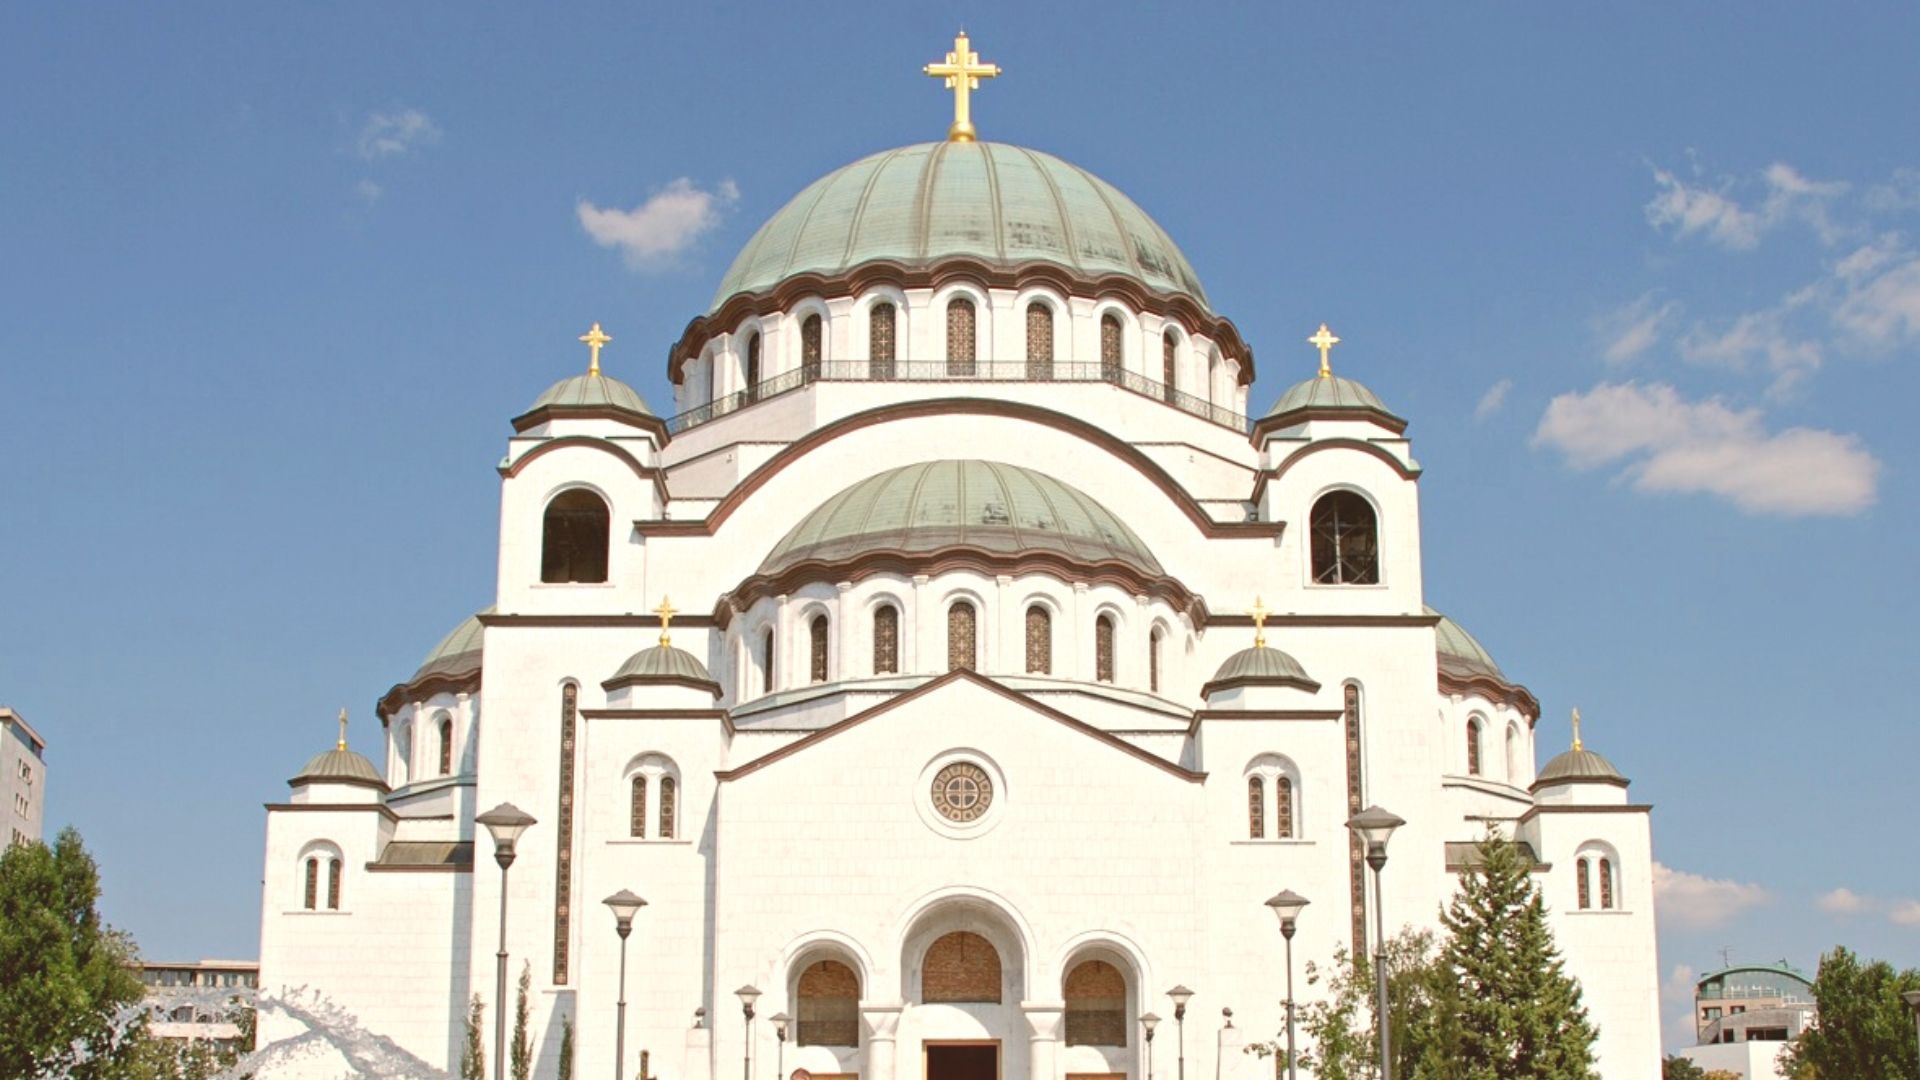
[1259,612]
[963,72]
[342,744]
[1325,341]
[594,339]
[1576,731]
[666,611]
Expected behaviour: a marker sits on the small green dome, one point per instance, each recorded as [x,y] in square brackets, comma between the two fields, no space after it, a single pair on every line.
[458,653]
[1461,654]
[1260,664]
[1328,392]
[934,505]
[339,767]
[1005,205]
[1579,766]
[591,392]
[661,663]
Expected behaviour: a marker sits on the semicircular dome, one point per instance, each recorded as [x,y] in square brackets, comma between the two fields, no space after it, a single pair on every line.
[1260,664]
[590,391]
[1574,766]
[1328,392]
[1005,205]
[984,505]
[661,662]
[340,767]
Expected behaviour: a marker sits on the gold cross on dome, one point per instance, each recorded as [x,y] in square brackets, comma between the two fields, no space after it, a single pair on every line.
[963,72]
[1576,730]
[1259,613]
[595,338]
[666,611]
[342,744]
[1325,341]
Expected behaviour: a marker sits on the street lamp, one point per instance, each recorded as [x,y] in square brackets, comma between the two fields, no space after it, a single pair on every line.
[506,822]
[625,906]
[1148,1022]
[1181,995]
[780,1022]
[1375,826]
[748,995]
[1287,906]
[1912,998]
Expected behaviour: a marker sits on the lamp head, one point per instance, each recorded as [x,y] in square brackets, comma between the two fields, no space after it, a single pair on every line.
[1180,995]
[625,906]
[1148,1022]
[748,995]
[1374,827]
[1287,906]
[1912,998]
[780,1021]
[505,822]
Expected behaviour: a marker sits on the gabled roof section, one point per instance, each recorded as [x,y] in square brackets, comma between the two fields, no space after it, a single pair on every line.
[935,685]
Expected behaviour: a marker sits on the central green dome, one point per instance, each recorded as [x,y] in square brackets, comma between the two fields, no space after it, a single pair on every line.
[1002,204]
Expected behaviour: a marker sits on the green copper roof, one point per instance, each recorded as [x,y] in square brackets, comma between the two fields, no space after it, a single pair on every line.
[1331,392]
[458,653]
[920,204]
[1578,765]
[1461,653]
[592,392]
[999,508]
[661,662]
[1262,664]
[339,766]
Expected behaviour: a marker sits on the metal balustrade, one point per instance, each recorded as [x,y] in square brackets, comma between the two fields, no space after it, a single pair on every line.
[956,371]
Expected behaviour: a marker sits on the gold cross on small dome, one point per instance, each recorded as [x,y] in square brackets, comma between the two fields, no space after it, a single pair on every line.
[595,338]
[342,744]
[1259,614]
[1576,730]
[1325,341]
[963,72]
[666,611]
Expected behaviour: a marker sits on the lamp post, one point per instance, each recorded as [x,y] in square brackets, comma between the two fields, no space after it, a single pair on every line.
[748,995]
[1181,995]
[505,822]
[780,1022]
[1287,906]
[1912,998]
[1375,826]
[625,906]
[1148,1022]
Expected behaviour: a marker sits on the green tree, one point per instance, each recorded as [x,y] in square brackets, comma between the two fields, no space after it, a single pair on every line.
[566,1048]
[473,1050]
[1509,1010]
[64,975]
[1679,1068]
[1863,1027]
[521,1049]
[1337,1036]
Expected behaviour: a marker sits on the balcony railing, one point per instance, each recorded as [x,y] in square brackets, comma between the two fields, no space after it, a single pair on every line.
[956,371]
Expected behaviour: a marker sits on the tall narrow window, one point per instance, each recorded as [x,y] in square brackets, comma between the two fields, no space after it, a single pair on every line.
[1256,808]
[1346,548]
[1585,888]
[961,637]
[669,806]
[637,809]
[753,368]
[563,835]
[1606,884]
[810,348]
[1039,341]
[573,543]
[1283,807]
[1039,641]
[1153,661]
[1513,754]
[1103,648]
[828,1006]
[881,334]
[403,751]
[1473,747]
[446,746]
[886,640]
[312,898]
[817,649]
[1110,347]
[333,884]
[960,336]
[1169,355]
[1356,851]
[766,661]
[1096,1005]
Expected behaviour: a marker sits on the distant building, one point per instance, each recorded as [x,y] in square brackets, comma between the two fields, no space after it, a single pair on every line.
[1744,1016]
[200,1001]
[23,778]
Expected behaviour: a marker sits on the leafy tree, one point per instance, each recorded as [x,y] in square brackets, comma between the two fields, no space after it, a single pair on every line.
[521,1050]
[1679,1068]
[64,975]
[473,1051]
[566,1048]
[1337,1036]
[1863,1028]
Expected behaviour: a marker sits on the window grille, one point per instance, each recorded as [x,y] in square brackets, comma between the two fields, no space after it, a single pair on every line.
[1110,347]
[1039,341]
[333,884]
[574,535]
[669,806]
[1153,661]
[312,899]
[886,640]
[961,637]
[881,329]
[637,814]
[1169,352]
[1103,649]
[1096,1005]
[1346,548]
[1585,888]
[1039,641]
[817,645]
[1473,748]
[1256,808]
[446,747]
[961,335]
[563,837]
[1283,807]
[766,657]
[1606,884]
[810,348]
[828,1006]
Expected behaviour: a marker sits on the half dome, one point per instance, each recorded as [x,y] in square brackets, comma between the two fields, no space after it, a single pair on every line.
[591,391]
[1263,665]
[989,506]
[339,766]
[1325,394]
[1579,767]
[663,664]
[1004,205]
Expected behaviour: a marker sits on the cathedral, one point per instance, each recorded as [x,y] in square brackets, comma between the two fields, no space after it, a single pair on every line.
[955,671]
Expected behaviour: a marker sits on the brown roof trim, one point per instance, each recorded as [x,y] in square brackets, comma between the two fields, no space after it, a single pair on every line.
[654,714]
[1319,446]
[1512,695]
[1645,808]
[1558,781]
[1189,312]
[1328,620]
[914,410]
[670,680]
[346,781]
[629,619]
[1308,685]
[1209,715]
[390,702]
[648,422]
[429,868]
[929,687]
[1382,417]
[308,808]
[657,477]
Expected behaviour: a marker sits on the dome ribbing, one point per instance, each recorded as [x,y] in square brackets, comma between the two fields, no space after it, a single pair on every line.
[340,767]
[591,391]
[662,663]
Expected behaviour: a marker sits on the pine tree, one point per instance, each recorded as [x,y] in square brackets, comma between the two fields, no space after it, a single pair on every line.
[473,1052]
[566,1049]
[1516,1012]
[522,1047]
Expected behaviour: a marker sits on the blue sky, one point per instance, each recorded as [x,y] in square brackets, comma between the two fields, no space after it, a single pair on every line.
[1646,281]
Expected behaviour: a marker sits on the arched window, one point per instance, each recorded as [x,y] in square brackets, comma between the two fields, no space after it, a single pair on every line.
[669,806]
[753,368]
[1039,641]
[960,336]
[403,751]
[311,900]
[817,649]
[1256,808]
[446,745]
[1346,548]
[1110,347]
[1473,746]
[1039,341]
[1096,1000]
[1283,807]
[886,640]
[881,334]
[810,348]
[1584,885]
[1153,661]
[962,647]
[333,884]
[766,661]
[652,802]
[829,1005]
[1169,355]
[1103,648]
[637,811]
[1513,754]
[1606,884]
[573,545]
[961,967]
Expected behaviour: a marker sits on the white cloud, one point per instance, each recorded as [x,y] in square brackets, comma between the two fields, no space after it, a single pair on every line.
[1493,400]
[1843,901]
[663,226]
[1693,209]
[368,190]
[1881,304]
[1905,913]
[386,134]
[1669,444]
[1694,902]
[1634,329]
[1899,194]
[1756,337]
[1676,998]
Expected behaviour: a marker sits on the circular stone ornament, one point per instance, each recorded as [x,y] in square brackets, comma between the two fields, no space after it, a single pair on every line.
[962,792]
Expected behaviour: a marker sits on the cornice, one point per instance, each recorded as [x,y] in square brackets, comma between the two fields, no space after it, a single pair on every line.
[1500,692]
[313,808]
[1643,808]
[1288,681]
[1385,419]
[1320,446]
[669,680]
[422,689]
[628,619]
[1367,621]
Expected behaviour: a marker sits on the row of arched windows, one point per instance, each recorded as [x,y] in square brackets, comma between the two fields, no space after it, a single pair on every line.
[1476,736]
[403,748]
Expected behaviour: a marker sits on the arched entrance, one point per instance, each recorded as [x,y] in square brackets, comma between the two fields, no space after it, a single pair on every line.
[963,968]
